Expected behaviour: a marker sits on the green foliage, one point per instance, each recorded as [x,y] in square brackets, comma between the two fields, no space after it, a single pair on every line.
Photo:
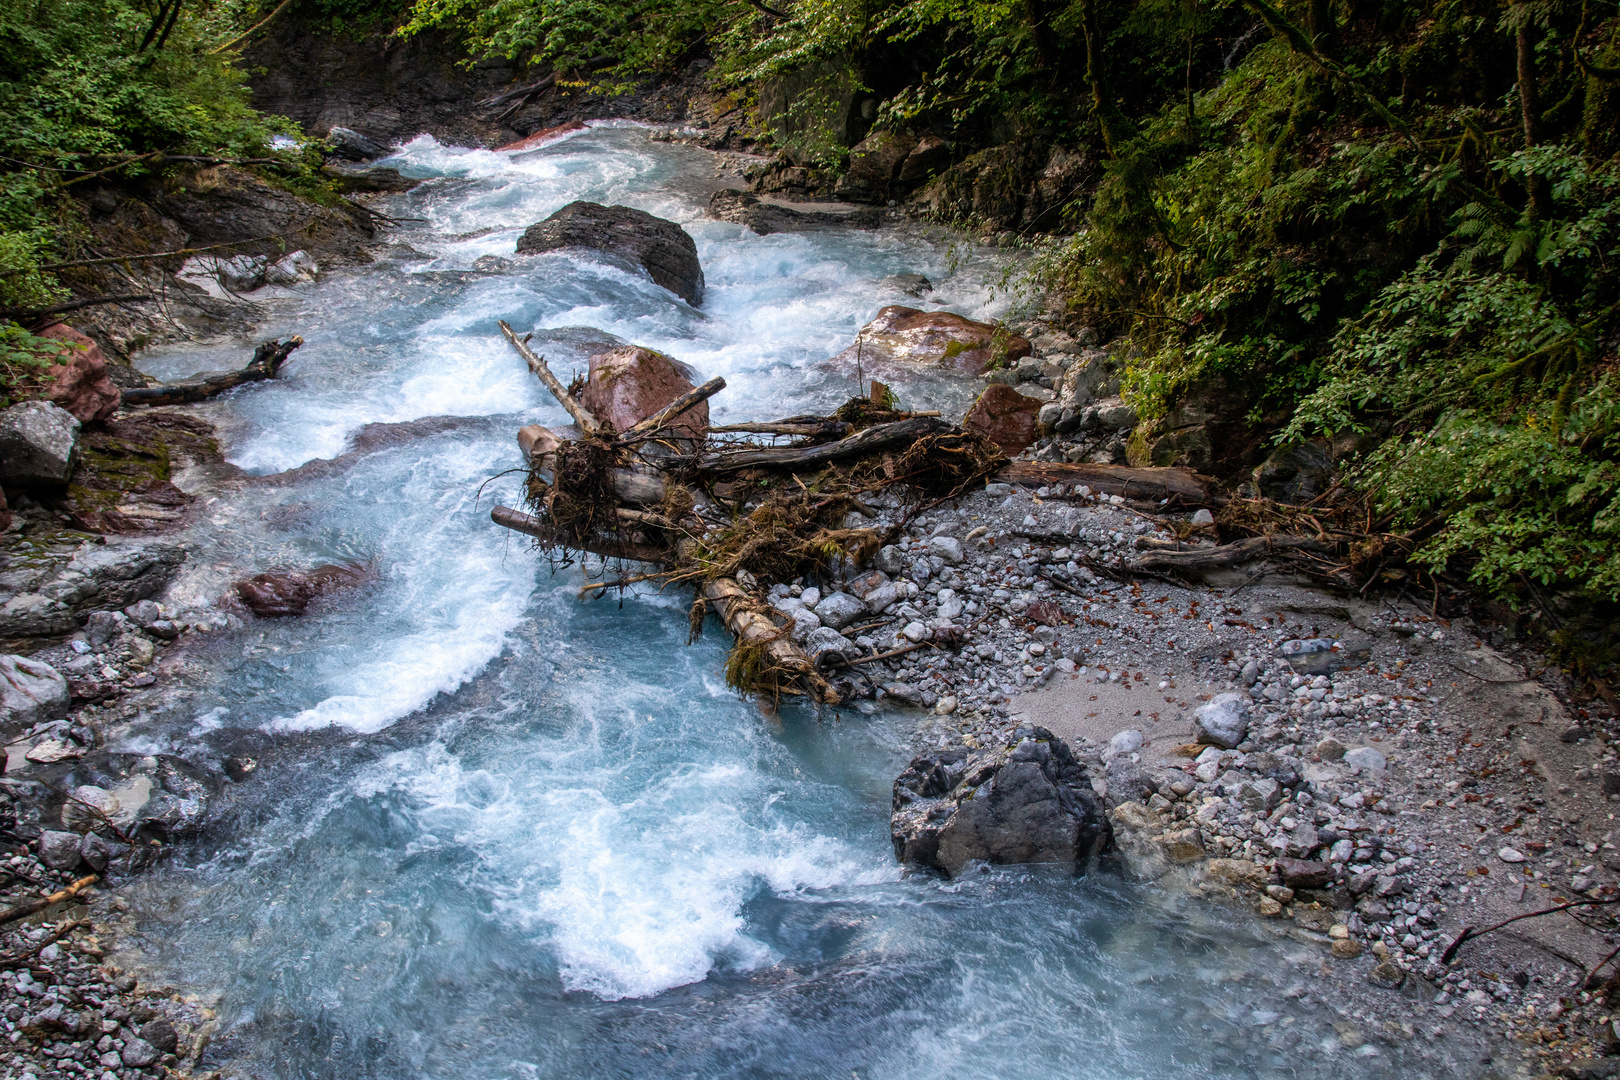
[24,358]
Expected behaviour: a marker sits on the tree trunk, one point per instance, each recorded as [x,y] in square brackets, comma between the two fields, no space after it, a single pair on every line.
[1182,486]
[266,363]
[732,604]
[879,437]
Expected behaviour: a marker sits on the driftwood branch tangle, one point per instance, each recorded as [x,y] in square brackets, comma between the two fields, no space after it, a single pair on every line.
[606,547]
[735,608]
[873,439]
[1128,482]
[1216,558]
[675,408]
[588,424]
[266,364]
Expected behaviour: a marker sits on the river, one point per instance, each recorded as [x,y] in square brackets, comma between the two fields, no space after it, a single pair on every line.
[499,833]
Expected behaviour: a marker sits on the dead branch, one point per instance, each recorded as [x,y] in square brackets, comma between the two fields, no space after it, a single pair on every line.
[11,960]
[1469,933]
[813,427]
[873,439]
[1217,558]
[686,401]
[588,424]
[607,547]
[1182,486]
[22,911]
[266,364]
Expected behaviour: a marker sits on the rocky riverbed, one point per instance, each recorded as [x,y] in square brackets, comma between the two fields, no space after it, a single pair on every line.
[1370,777]
[1365,777]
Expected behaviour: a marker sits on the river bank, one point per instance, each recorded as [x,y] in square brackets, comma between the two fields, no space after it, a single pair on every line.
[1119,630]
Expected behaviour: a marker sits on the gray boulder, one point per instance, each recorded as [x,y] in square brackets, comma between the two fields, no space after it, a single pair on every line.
[827,646]
[839,609]
[662,248]
[54,594]
[39,445]
[350,145]
[138,1053]
[59,850]
[1223,722]
[1031,803]
[30,692]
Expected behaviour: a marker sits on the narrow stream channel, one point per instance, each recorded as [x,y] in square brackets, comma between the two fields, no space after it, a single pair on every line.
[516,836]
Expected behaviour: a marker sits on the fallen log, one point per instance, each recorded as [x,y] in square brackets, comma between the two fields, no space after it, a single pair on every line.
[812,427]
[732,603]
[607,547]
[266,364]
[1182,486]
[873,439]
[1200,560]
[588,424]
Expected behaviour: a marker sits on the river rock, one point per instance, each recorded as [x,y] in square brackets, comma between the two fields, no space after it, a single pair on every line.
[54,595]
[156,796]
[235,206]
[138,1053]
[350,179]
[161,1034]
[826,647]
[290,592]
[1305,873]
[39,445]
[31,692]
[1223,722]
[874,168]
[1005,417]
[351,145]
[59,850]
[930,156]
[765,218]
[80,386]
[627,385]
[1296,472]
[1031,803]
[908,337]
[839,609]
[661,247]
[1365,759]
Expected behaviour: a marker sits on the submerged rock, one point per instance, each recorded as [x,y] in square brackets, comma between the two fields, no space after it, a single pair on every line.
[1031,803]
[1005,417]
[627,385]
[352,146]
[661,247]
[906,336]
[290,592]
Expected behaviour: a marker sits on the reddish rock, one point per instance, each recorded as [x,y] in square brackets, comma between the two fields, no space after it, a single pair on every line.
[906,336]
[81,386]
[630,384]
[543,136]
[290,592]
[1305,873]
[1005,417]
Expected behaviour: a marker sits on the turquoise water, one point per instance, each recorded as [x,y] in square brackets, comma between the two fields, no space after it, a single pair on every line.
[497,832]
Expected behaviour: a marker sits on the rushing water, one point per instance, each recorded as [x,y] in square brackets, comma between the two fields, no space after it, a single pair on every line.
[500,833]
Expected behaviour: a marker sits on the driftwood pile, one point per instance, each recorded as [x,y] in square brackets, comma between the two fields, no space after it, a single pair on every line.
[730,518]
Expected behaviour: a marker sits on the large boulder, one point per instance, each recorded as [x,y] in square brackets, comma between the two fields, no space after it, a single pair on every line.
[662,248]
[729,204]
[30,692]
[1005,417]
[156,796]
[1030,803]
[281,593]
[350,145]
[627,385]
[1296,472]
[1014,186]
[39,445]
[54,593]
[81,385]
[874,167]
[908,337]
[230,205]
